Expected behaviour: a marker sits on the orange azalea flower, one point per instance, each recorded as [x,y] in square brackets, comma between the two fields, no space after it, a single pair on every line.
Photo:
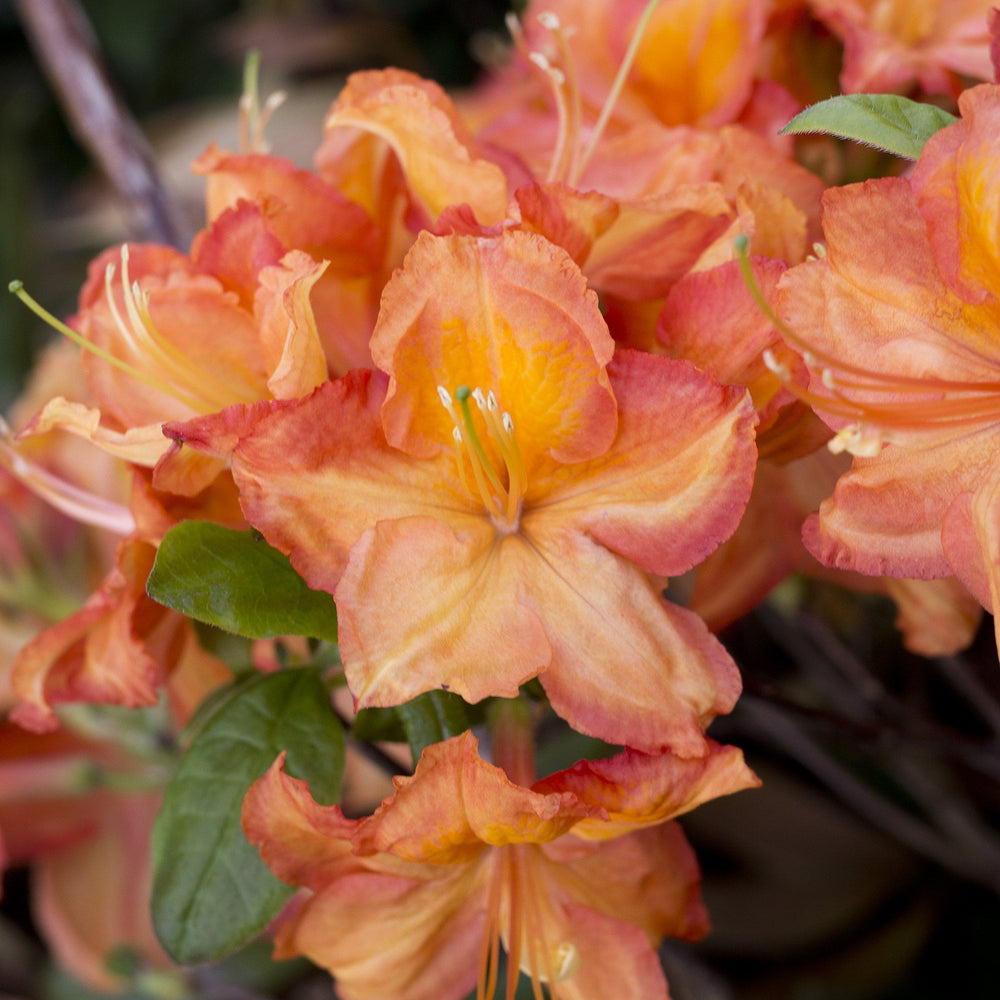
[687,63]
[260,208]
[889,44]
[904,321]
[499,495]
[164,341]
[579,876]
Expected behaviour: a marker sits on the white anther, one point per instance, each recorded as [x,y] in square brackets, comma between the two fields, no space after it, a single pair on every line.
[508,423]
[566,960]
[491,402]
[856,440]
[445,398]
[477,395]
[546,67]
[774,365]
[549,19]
[456,433]
[827,379]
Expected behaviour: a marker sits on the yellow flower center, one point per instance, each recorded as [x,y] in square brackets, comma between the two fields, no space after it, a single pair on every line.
[489,462]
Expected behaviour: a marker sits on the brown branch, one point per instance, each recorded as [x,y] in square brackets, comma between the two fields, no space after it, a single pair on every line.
[64,44]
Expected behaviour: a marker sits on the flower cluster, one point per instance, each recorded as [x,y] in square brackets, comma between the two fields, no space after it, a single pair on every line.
[489,376]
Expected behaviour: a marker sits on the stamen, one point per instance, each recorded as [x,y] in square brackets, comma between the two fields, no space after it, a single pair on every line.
[253,121]
[931,401]
[616,89]
[489,960]
[502,500]
[17,288]
[462,394]
[203,383]
[77,503]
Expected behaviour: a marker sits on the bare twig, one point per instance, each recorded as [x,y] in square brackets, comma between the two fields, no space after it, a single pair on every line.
[64,43]
[976,857]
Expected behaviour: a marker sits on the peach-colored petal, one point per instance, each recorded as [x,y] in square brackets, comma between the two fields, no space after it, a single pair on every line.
[236,247]
[626,665]
[607,874]
[656,240]
[427,603]
[301,209]
[94,898]
[569,218]
[696,60]
[456,803]
[711,318]
[696,473]
[140,445]
[638,790]
[302,842]
[885,516]
[385,935]
[958,165]
[417,120]
[296,461]
[892,43]
[936,617]
[636,972]
[511,315]
[912,323]
[117,648]
[195,348]
[290,342]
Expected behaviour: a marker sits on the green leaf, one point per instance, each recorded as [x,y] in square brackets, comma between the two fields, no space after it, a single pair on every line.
[237,582]
[211,891]
[378,724]
[432,717]
[886,121]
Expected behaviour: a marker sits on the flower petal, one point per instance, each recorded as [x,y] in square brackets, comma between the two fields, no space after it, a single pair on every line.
[639,790]
[626,665]
[512,315]
[669,490]
[456,804]
[424,604]
[418,120]
[314,474]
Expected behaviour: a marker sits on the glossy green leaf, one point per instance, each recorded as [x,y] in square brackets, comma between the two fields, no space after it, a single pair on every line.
[237,582]
[886,121]
[211,891]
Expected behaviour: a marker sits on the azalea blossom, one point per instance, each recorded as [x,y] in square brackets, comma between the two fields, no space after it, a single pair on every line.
[889,44]
[579,876]
[901,314]
[498,493]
